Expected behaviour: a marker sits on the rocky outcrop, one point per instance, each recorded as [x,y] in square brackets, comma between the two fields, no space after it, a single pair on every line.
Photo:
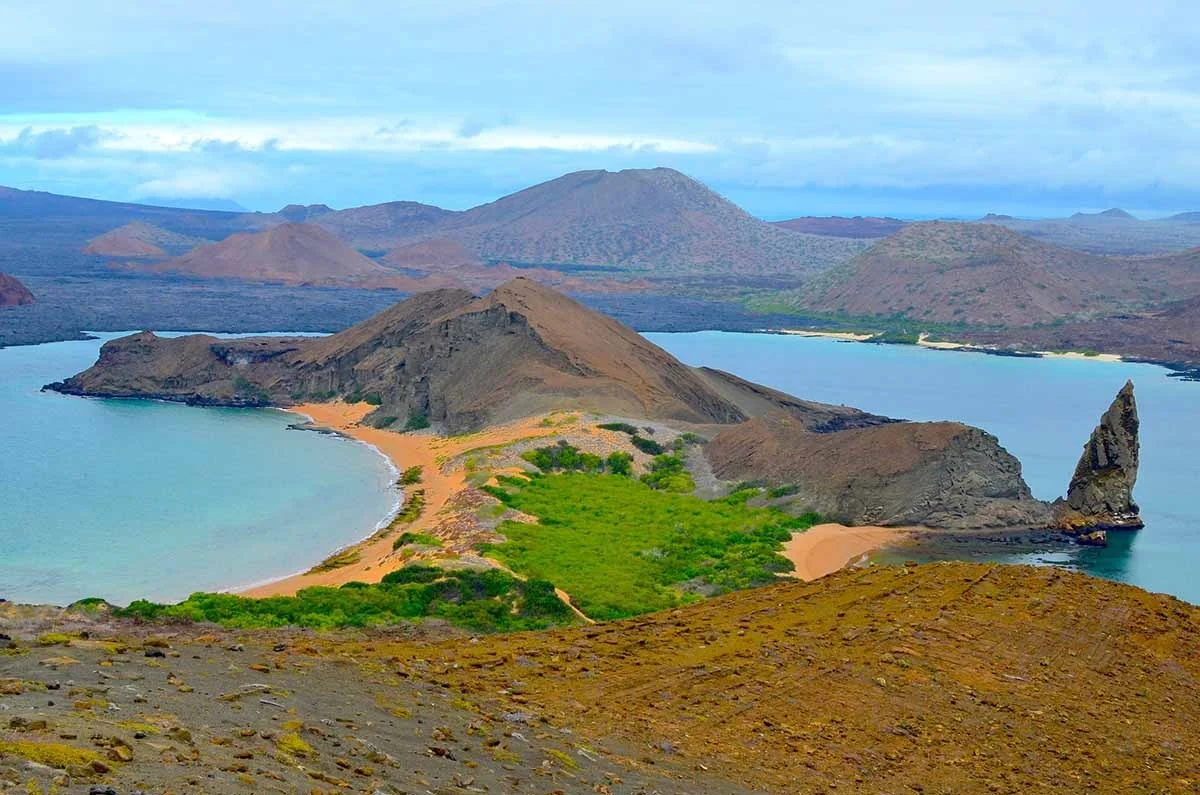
[1100,497]
[933,474]
[13,293]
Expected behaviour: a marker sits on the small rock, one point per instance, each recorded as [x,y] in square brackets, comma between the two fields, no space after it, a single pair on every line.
[156,653]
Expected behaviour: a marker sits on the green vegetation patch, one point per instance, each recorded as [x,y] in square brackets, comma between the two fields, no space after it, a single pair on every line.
[647,446]
[337,560]
[564,457]
[420,539]
[416,422]
[621,548]
[480,601]
[668,474]
[411,476]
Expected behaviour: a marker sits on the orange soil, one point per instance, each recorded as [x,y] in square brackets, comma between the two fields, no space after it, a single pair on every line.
[826,548]
[405,450]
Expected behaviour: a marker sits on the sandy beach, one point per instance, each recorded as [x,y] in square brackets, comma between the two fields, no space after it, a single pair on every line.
[848,336]
[430,452]
[826,548]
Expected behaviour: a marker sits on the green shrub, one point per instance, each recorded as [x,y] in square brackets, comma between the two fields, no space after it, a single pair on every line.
[384,422]
[411,476]
[621,548]
[623,427]
[783,491]
[619,463]
[647,446]
[373,399]
[411,510]
[416,422]
[421,539]
[563,457]
[667,474]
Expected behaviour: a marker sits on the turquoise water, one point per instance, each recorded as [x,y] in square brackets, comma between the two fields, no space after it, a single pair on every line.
[1042,410]
[129,498]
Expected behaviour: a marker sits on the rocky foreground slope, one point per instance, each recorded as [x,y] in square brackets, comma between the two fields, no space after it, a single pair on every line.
[942,678]
[463,363]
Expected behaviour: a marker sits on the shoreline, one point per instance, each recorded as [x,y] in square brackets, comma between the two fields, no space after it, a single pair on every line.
[923,341]
[309,424]
[827,548]
[375,555]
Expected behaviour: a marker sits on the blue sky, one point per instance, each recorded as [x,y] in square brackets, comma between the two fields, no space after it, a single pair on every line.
[918,108]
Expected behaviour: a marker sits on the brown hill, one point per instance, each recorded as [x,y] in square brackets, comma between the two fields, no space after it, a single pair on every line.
[987,275]
[288,253]
[646,219]
[835,226]
[138,239]
[437,254]
[13,293]
[937,474]
[384,226]
[942,678]
[459,361]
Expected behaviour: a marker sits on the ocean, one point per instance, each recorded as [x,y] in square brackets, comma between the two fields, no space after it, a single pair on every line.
[1042,410]
[125,499]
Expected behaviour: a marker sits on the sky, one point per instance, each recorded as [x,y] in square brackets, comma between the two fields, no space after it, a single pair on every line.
[920,108]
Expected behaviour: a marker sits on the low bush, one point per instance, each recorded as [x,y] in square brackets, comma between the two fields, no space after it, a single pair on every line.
[416,422]
[411,476]
[647,446]
[623,427]
[420,539]
[667,474]
[480,601]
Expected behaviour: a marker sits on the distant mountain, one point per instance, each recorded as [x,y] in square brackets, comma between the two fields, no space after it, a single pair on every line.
[288,253]
[299,213]
[44,233]
[382,227]
[987,275]
[138,239]
[836,226]
[1110,232]
[432,255]
[13,293]
[1114,214]
[655,220]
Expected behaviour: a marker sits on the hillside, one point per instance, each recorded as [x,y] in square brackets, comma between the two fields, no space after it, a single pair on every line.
[435,254]
[1170,333]
[946,678]
[457,360]
[138,239]
[381,227]
[288,253]
[655,220]
[835,226]
[988,275]
[13,292]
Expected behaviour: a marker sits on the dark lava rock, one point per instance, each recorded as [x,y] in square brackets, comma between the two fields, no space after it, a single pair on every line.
[1100,496]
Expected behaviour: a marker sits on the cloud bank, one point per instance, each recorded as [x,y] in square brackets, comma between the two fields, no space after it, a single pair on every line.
[860,106]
